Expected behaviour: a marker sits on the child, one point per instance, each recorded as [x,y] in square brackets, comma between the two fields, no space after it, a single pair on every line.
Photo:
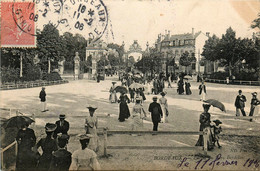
[216,131]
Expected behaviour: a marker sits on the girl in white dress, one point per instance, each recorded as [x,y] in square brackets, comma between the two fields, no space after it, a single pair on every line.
[164,106]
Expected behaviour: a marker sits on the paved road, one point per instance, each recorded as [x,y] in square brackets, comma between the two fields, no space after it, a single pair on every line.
[72,99]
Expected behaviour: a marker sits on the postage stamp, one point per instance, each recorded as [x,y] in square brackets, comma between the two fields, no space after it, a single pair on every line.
[18,24]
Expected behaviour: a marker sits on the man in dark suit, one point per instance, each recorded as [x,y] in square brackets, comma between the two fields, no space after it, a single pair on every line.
[62,126]
[61,159]
[240,103]
[156,113]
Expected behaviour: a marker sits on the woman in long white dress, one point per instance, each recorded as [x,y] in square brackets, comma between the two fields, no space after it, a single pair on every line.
[112,96]
[91,123]
[138,114]
[164,106]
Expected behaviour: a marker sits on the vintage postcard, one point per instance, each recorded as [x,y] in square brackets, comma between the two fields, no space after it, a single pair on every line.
[130,85]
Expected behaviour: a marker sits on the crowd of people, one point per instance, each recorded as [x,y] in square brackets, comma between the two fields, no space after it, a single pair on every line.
[55,155]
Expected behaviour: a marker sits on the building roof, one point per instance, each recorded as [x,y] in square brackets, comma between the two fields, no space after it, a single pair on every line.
[185,36]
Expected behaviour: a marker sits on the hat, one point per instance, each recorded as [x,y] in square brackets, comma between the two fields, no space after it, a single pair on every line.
[163,94]
[62,116]
[240,91]
[217,121]
[154,97]
[85,136]
[92,107]
[254,93]
[43,87]
[50,127]
[113,82]
[63,137]
[206,105]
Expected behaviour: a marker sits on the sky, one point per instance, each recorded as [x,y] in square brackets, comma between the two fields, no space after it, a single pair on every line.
[143,20]
[131,20]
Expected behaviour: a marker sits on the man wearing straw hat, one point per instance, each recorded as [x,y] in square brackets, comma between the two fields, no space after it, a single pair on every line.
[84,158]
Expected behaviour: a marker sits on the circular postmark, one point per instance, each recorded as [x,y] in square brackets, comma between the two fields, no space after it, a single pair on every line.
[87,17]
[27,14]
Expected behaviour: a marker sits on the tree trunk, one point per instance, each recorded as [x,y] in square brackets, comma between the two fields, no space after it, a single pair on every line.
[49,66]
[21,64]
[229,68]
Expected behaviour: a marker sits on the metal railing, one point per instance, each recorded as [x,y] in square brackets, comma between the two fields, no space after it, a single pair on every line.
[241,82]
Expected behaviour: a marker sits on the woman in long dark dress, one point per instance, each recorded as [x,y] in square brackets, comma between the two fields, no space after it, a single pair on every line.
[124,112]
[180,86]
[48,145]
[26,140]
[187,88]
[205,127]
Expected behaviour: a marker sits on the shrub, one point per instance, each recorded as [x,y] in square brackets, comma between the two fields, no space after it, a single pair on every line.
[32,73]
[219,75]
[10,74]
[53,76]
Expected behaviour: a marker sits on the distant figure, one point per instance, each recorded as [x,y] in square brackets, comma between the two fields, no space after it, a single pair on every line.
[156,113]
[254,105]
[98,77]
[48,146]
[42,96]
[164,106]
[240,103]
[180,86]
[132,94]
[91,124]
[202,91]
[26,140]
[205,127]
[124,112]
[63,126]
[61,159]
[138,115]
[187,88]
[84,158]
[112,96]
[169,81]
[149,88]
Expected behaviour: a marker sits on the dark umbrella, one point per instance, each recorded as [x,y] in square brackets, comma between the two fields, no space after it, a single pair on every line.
[121,89]
[216,103]
[17,121]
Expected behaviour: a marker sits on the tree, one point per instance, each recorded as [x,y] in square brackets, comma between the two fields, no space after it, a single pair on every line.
[131,61]
[256,22]
[120,51]
[186,60]
[210,48]
[50,47]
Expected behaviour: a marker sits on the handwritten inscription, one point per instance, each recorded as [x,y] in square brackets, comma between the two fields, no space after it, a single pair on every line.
[218,161]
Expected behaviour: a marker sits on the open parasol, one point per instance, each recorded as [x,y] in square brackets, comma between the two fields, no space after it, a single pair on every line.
[121,89]
[187,77]
[17,121]
[216,103]
[136,86]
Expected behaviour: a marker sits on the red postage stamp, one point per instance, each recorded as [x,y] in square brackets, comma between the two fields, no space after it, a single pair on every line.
[18,24]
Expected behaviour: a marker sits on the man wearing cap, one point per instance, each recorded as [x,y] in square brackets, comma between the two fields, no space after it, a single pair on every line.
[240,104]
[42,96]
[254,105]
[156,113]
[84,158]
[61,159]
[62,126]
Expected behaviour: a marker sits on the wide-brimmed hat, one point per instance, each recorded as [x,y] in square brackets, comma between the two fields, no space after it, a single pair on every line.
[62,116]
[63,137]
[217,121]
[50,127]
[254,93]
[113,82]
[163,94]
[85,136]
[92,107]
[206,105]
